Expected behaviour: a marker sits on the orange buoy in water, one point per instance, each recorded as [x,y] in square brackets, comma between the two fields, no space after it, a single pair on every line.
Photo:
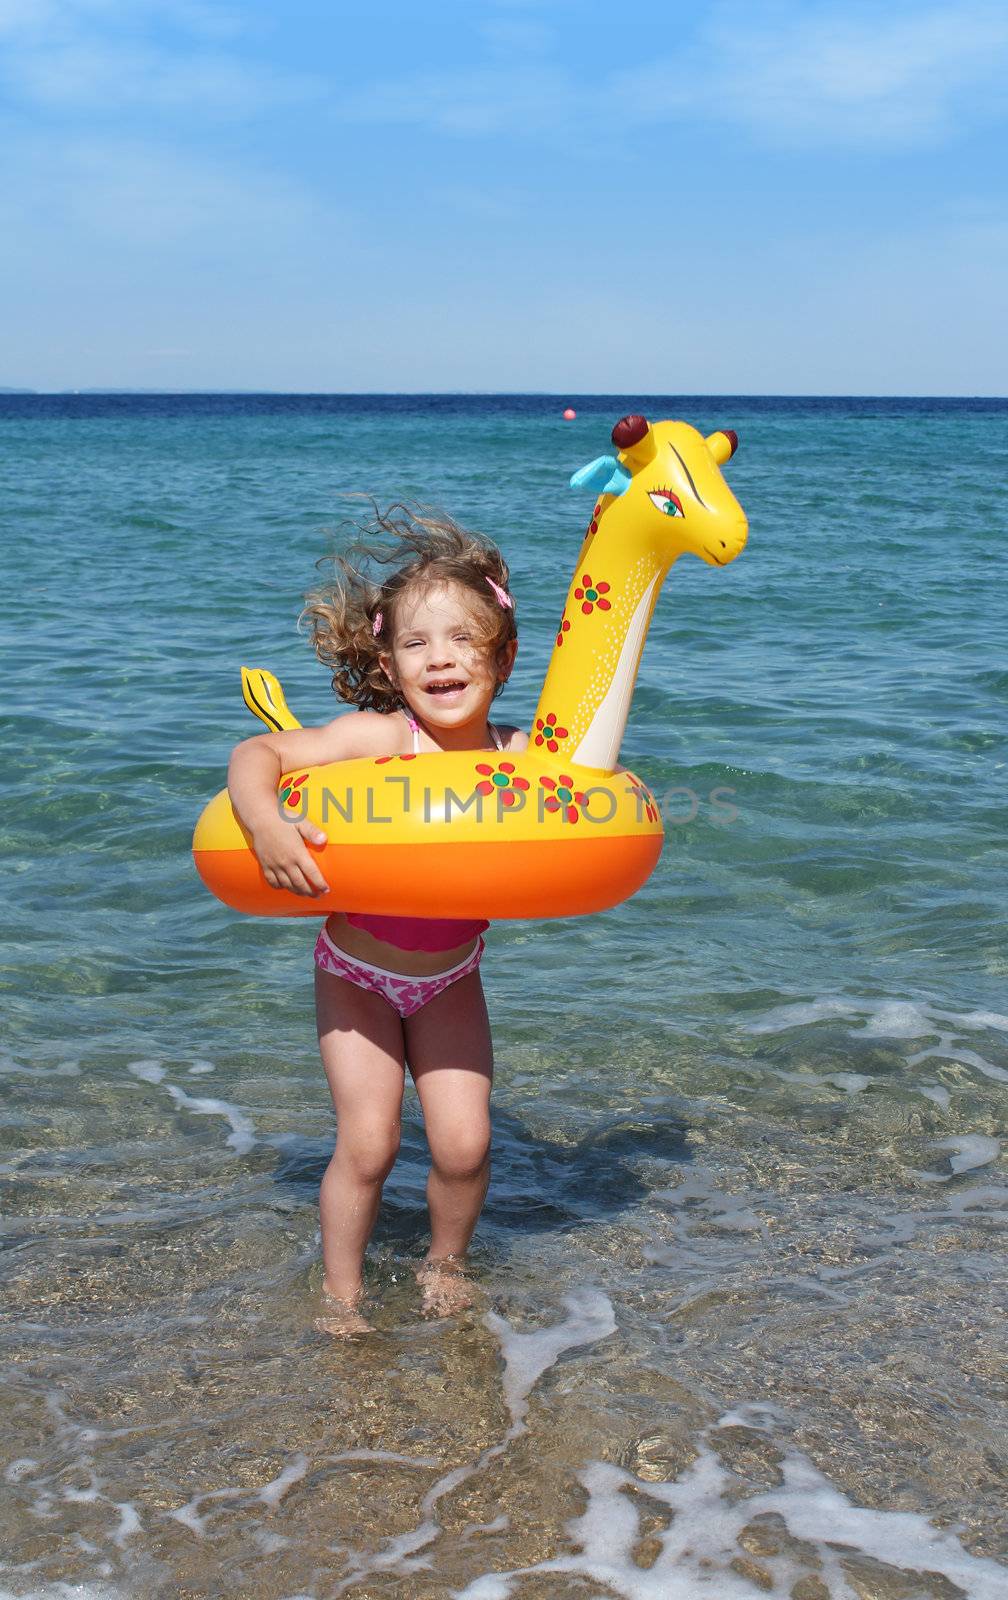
[570,414]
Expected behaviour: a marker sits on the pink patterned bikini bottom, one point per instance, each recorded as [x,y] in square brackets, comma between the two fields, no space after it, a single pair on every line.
[407,994]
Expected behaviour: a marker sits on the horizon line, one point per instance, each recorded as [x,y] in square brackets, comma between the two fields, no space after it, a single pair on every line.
[12,391]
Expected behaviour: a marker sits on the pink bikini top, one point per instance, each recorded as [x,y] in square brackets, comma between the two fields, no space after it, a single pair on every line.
[421,933]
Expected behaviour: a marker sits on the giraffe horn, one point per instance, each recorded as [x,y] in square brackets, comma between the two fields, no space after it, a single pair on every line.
[722,445]
[630,431]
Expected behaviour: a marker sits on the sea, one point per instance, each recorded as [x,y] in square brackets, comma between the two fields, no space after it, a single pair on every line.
[740,1288]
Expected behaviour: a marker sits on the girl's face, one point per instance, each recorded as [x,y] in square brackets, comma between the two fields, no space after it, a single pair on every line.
[443,673]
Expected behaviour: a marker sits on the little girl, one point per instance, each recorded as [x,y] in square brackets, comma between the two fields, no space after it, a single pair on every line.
[422,655]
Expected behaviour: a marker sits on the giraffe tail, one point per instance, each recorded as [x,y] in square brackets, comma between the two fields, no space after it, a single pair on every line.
[265,699]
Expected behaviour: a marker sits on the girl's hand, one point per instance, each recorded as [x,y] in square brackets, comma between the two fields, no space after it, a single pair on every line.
[284,857]
[254,776]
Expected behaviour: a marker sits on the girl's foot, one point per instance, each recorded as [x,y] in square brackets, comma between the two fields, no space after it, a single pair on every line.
[446,1290]
[343,1318]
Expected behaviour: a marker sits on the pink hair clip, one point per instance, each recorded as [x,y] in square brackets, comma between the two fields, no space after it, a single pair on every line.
[376,626]
[502,594]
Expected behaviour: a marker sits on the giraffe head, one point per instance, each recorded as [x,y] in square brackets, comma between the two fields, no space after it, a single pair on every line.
[668,480]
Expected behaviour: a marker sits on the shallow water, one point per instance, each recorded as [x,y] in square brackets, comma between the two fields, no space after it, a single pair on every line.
[741,1295]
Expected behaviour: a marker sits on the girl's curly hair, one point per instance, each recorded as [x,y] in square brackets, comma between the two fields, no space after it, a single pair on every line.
[425,551]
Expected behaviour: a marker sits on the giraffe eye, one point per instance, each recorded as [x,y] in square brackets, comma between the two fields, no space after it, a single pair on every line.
[667,502]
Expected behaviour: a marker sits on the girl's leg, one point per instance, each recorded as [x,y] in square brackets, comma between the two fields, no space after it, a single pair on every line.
[450,1054]
[361,1043]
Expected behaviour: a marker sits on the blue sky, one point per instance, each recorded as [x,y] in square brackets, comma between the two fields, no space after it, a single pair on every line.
[507,195]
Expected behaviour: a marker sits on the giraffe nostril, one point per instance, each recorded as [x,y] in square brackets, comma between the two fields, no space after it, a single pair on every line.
[723,545]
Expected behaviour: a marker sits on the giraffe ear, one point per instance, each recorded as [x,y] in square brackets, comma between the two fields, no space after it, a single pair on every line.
[722,445]
[604,475]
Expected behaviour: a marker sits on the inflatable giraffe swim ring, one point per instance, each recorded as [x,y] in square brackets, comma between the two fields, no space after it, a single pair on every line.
[553,830]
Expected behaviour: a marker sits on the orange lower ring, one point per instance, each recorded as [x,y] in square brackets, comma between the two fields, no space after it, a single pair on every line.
[512,878]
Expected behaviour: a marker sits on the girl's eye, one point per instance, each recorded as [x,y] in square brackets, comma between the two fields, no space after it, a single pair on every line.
[667,502]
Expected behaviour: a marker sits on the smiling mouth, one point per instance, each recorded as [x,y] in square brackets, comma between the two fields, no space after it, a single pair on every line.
[446,686]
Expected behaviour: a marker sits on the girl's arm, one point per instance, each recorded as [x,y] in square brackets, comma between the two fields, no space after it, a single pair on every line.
[254,776]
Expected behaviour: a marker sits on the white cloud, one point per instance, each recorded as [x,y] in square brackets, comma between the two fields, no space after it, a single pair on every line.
[113,76]
[819,72]
[480,100]
[23,15]
[836,73]
[139,197]
[40,17]
[105,56]
[832,74]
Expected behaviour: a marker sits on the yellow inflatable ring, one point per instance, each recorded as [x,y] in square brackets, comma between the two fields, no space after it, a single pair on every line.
[554,830]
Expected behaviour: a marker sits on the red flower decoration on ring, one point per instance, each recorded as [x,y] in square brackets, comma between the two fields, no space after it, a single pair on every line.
[644,796]
[564,628]
[549,732]
[381,760]
[290,791]
[499,780]
[592,595]
[563,797]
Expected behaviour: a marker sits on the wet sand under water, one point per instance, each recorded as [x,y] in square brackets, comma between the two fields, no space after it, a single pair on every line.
[727,1340]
